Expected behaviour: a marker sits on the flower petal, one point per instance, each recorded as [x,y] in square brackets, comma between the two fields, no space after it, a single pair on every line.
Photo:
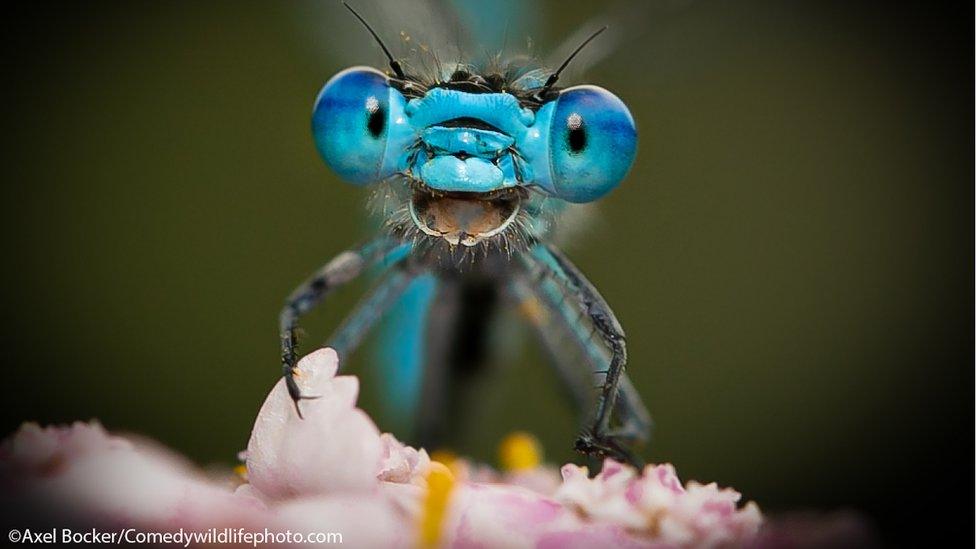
[401,463]
[362,520]
[654,505]
[335,448]
[82,472]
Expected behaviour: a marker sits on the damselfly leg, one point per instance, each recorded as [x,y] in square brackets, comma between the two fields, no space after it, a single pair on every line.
[575,297]
[341,270]
[347,337]
[578,354]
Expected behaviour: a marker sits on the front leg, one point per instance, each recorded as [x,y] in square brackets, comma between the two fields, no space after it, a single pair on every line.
[598,438]
[342,269]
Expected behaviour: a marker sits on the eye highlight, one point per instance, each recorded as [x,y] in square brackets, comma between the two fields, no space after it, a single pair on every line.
[576,136]
[591,145]
[376,121]
[350,124]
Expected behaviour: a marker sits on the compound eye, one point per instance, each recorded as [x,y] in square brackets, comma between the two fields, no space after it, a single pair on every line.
[592,143]
[350,123]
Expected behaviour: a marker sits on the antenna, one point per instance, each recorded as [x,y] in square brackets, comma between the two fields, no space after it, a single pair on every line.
[555,76]
[394,64]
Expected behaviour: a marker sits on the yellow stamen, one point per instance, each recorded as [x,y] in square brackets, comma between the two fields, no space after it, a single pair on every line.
[440,482]
[519,451]
[241,471]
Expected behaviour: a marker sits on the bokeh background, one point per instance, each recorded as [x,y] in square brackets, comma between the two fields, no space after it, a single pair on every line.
[791,255]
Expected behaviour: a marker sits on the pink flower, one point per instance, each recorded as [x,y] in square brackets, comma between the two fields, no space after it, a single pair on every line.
[333,471]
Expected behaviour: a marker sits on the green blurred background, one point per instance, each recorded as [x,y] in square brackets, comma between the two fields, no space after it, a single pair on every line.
[791,255]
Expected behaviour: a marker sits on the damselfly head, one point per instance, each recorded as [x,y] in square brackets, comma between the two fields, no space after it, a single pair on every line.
[473,145]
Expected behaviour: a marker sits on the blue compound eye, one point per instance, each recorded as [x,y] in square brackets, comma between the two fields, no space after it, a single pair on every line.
[592,142]
[351,122]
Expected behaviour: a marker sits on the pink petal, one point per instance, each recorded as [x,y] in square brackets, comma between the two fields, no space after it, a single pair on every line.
[487,515]
[654,506]
[401,463]
[363,520]
[84,473]
[335,448]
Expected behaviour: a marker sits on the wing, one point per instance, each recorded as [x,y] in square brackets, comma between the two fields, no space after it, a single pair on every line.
[420,32]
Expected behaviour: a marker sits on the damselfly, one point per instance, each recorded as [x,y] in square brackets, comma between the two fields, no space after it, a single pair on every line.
[475,160]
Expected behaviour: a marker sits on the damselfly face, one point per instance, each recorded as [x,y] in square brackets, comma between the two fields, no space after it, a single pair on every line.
[472,152]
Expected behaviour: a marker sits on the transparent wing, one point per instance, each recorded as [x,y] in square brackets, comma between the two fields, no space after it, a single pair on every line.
[625,20]
[501,26]
[426,34]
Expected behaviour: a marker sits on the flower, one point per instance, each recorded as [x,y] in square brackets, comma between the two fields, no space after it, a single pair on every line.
[334,471]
